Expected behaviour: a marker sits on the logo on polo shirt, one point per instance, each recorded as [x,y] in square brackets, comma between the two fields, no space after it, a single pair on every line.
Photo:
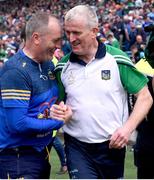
[71,78]
[105,74]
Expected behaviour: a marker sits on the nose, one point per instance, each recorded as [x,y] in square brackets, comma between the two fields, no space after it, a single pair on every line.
[58,44]
[72,37]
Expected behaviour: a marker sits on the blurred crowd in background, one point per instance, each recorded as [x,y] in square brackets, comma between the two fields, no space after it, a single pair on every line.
[121,22]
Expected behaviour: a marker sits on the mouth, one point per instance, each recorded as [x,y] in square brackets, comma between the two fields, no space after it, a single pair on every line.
[51,52]
[75,43]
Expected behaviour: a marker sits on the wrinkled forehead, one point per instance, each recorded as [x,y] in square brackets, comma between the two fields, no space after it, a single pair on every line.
[76,18]
[76,22]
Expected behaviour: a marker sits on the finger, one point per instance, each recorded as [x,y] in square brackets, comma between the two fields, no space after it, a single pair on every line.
[113,140]
[57,117]
[56,109]
[61,103]
[63,106]
[116,142]
[57,114]
[119,143]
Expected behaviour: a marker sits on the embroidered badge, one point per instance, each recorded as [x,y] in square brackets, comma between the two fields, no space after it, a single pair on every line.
[105,74]
[51,75]
[71,78]
[40,116]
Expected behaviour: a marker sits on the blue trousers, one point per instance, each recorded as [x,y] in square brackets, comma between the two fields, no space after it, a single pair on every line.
[93,161]
[57,144]
[24,163]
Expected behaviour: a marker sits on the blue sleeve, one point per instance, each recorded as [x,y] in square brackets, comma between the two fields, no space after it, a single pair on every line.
[19,122]
[15,88]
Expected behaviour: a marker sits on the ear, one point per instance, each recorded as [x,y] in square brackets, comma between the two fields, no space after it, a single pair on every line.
[36,38]
[95,31]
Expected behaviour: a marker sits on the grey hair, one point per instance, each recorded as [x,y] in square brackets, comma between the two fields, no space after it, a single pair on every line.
[83,11]
[38,22]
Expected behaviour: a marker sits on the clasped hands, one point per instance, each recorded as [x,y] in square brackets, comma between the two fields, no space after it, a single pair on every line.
[61,112]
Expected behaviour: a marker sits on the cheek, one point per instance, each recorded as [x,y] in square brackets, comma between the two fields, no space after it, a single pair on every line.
[86,42]
[50,45]
[86,38]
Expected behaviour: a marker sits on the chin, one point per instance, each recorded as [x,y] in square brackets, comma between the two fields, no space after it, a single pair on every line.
[49,58]
[77,51]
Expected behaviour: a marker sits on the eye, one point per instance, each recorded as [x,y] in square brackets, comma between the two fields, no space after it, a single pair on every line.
[57,40]
[67,33]
[77,33]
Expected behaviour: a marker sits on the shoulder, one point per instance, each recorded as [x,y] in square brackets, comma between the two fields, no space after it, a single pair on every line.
[14,67]
[120,56]
[14,62]
[62,63]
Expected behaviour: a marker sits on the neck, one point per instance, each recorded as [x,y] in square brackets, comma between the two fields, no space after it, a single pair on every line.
[30,54]
[91,53]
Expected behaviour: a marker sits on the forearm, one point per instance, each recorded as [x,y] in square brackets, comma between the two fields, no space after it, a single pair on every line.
[143,103]
[141,108]
[19,122]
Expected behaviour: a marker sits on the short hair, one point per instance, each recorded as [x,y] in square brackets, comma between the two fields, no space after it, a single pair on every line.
[83,11]
[38,22]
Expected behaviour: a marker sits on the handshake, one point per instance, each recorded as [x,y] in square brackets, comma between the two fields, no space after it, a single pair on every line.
[61,112]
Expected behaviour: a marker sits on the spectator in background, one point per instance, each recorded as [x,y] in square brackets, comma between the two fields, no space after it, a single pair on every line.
[144,147]
[14,14]
[22,37]
[137,49]
[3,53]
[113,41]
[1,63]
[117,28]
[66,48]
[28,90]
[58,54]
[96,79]
[132,33]
[135,56]
[140,43]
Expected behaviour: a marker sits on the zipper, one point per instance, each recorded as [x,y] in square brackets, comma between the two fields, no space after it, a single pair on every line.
[42,76]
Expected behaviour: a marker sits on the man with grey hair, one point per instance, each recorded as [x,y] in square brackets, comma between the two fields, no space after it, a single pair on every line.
[28,90]
[96,78]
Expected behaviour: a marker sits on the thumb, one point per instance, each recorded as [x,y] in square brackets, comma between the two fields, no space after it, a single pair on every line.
[61,104]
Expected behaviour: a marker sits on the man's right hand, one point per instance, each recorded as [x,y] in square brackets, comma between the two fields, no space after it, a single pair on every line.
[61,112]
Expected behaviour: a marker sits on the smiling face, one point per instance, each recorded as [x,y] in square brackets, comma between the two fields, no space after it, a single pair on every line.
[80,36]
[42,36]
[50,40]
